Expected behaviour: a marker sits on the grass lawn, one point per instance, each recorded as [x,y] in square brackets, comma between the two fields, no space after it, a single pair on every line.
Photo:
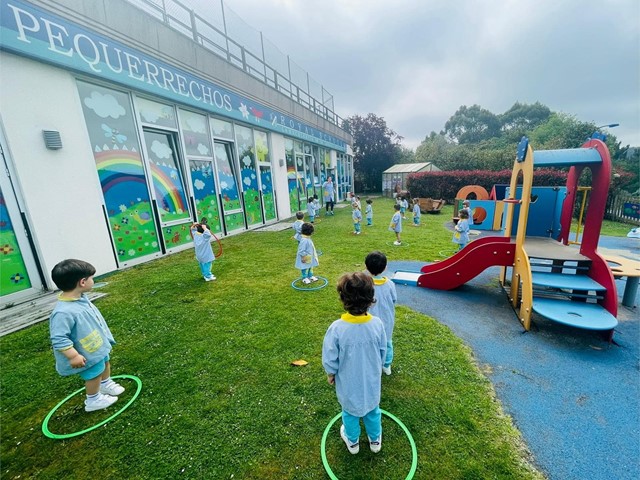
[220,399]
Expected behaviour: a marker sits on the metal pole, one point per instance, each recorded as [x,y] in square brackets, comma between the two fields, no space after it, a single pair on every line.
[264,60]
[194,28]
[226,34]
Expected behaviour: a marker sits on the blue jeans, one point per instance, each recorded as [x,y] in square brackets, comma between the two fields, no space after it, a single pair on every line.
[389,358]
[356,227]
[369,221]
[372,424]
[205,268]
[307,272]
[416,220]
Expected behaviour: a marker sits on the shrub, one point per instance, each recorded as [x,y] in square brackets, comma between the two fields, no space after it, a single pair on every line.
[447,184]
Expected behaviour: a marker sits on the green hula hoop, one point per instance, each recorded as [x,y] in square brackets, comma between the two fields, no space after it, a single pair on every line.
[414,450]
[60,436]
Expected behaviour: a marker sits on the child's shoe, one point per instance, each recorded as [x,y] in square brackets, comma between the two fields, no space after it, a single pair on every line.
[210,278]
[386,370]
[100,402]
[352,447]
[376,445]
[306,281]
[111,388]
[397,243]
[313,278]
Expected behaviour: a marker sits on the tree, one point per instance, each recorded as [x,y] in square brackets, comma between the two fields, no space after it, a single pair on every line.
[433,148]
[522,118]
[472,125]
[375,148]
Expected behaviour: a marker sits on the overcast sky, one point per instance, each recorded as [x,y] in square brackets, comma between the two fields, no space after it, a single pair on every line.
[415,62]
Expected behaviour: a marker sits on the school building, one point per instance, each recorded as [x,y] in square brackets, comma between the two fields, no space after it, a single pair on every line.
[121,122]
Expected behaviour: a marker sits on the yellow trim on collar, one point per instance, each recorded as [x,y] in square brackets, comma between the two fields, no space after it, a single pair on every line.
[68,299]
[347,317]
[380,281]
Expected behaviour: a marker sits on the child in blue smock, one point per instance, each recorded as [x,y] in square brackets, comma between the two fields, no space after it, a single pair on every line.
[461,234]
[202,244]
[404,204]
[416,212]
[369,212]
[80,336]
[396,224]
[311,209]
[297,225]
[306,257]
[353,352]
[356,216]
[384,306]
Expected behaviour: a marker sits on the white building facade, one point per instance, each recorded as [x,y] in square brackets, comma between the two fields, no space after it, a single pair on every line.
[117,132]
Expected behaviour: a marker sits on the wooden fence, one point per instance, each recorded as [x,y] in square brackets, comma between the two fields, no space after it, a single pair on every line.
[623,208]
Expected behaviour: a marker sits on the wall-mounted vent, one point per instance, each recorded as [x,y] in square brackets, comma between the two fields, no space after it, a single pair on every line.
[52,139]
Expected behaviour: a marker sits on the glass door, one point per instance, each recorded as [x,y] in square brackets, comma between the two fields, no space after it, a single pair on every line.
[229,189]
[266,180]
[18,271]
[169,190]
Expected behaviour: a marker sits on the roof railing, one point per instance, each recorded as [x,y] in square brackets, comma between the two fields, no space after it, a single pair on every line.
[246,48]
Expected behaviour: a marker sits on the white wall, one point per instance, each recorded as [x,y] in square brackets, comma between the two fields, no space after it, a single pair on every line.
[61,188]
[280,184]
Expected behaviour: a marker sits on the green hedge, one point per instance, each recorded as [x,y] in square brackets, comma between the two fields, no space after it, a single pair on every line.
[447,184]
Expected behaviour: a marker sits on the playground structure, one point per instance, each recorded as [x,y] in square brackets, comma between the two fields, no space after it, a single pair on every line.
[566,285]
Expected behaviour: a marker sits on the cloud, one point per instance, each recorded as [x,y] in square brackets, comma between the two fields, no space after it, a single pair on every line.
[415,63]
[104,105]
[161,150]
[199,184]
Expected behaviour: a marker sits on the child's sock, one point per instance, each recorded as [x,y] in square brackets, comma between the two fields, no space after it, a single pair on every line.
[93,397]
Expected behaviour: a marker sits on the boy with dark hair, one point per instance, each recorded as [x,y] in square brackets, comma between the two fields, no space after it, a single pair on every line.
[80,336]
[297,225]
[384,306]
[353,350]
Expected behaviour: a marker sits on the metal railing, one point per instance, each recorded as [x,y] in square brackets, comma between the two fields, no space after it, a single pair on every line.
[224,33]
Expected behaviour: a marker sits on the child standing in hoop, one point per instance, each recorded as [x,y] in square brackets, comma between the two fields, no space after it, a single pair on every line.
[396,224]
[306,257]
[80,336]
[353,351]
[369,212]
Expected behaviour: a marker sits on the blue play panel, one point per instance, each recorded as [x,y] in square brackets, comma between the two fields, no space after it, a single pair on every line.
[559,280]
[590,316]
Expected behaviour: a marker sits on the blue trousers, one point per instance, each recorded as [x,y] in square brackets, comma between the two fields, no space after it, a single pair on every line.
[205,268]
[307,272]
[356,227]
[389,358]
[369,221]
[372,424]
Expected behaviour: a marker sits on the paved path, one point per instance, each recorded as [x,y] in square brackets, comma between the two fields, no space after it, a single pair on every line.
[574,397]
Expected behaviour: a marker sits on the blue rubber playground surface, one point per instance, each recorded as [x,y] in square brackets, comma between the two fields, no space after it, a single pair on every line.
[574,397]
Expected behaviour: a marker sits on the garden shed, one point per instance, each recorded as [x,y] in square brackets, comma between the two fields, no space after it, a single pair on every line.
[394,179]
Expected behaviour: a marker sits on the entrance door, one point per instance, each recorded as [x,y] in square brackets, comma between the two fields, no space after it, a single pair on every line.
[19,277]
[229,190]
[302,182]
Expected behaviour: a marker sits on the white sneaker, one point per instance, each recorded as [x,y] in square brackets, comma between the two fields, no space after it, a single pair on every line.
[352,447]
[306,281]
[111,388]
[313,279]
[386,370]
[376,445]
[397,243]
[99,403]
[209,279]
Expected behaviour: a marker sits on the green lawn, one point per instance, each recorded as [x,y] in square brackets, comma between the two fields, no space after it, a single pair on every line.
[220,399]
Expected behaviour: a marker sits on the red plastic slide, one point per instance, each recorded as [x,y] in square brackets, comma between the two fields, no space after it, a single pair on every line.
[466,264]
